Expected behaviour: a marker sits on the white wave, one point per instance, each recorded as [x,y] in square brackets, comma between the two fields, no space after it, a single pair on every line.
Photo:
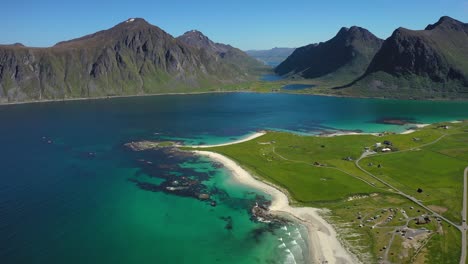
[290,259]
[283,245]
[284,228]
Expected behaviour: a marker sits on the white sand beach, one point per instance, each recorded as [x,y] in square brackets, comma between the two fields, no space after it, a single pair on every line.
[409,131]
[323,243]
[250,137]
[345,133]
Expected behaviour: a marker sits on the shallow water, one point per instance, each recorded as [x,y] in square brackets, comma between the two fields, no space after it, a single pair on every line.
[69,189]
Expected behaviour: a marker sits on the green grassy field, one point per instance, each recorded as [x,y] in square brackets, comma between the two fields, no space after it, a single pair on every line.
[322,172]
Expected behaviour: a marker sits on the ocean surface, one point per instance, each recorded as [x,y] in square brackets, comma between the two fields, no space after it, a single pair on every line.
[71,192]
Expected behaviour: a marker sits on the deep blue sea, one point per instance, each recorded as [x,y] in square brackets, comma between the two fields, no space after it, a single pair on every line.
[70,192]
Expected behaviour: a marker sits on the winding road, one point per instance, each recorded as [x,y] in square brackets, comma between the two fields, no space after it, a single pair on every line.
[463,227]
[463,212]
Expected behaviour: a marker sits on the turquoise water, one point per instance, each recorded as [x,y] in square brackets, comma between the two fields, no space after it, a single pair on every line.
[294,87]
[71,193]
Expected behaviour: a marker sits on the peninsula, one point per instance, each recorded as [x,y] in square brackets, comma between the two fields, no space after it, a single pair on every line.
[387,197]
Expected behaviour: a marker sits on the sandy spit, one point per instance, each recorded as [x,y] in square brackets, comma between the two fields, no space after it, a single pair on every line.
[255,135]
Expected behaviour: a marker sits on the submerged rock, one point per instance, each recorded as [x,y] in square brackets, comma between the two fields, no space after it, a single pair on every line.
[148,145]
[203,196]
[262,214]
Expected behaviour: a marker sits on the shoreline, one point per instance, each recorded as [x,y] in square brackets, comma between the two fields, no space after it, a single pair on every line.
[112,97]
[418,126]
[247,138]
[227,91]
[322,238]
[408,131]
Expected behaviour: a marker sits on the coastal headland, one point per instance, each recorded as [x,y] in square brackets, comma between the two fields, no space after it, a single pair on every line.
[383,197]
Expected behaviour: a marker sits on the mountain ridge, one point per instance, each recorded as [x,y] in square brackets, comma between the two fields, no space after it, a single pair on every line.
[347,53]
[224,52]
[420,63]
[133,57]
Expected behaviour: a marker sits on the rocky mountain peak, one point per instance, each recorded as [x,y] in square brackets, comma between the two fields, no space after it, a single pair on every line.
[197,39]
[447,22]
[349,51]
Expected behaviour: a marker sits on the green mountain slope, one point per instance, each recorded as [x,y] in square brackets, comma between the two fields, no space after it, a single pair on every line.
[131,58]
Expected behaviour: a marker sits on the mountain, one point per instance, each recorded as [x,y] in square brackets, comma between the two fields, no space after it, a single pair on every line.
[236,58]
[346,56]
[272,57]
[420,63]
[133,57]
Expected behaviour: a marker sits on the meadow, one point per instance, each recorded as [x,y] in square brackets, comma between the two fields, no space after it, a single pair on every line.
[322,171]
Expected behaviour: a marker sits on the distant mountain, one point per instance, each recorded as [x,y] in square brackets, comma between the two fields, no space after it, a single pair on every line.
[235,57]
[346,56]
[272,57]
[420,63]
[131,58]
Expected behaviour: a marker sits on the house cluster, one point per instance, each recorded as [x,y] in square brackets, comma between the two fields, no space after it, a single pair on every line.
[386,146]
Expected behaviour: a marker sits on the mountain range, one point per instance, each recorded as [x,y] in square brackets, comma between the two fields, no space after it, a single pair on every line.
[345,56]
[429,63]
[137,58]
[272,57]
[133,57]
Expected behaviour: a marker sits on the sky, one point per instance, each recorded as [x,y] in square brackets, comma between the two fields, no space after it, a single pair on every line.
[253,24]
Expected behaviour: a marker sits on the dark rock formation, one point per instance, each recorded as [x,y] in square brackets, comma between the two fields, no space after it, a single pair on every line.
[425,52]
[420,62]
[348,53]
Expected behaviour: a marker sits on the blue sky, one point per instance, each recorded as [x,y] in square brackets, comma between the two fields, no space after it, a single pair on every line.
[243,24]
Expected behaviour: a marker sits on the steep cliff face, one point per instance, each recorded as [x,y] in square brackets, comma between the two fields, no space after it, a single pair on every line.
[439,52]
[421,63]
[350,52]
[133,57]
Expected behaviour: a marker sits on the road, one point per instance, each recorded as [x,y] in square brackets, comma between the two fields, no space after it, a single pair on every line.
[463,227]
[463,212]
[409,197]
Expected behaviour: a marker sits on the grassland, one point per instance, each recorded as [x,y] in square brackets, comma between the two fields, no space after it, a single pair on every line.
[374,220]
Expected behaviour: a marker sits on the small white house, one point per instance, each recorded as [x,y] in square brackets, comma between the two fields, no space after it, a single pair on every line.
[386,149]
